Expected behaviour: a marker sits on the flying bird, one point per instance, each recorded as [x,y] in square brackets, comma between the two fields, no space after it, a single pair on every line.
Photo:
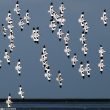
[27,18]
[17,8]
[88,69]
[18,67]
[59,79]
[21,93]
[9,101]
[82,70]
[4,30]
[7,56]
[21,23]
[74,60]
[104,17]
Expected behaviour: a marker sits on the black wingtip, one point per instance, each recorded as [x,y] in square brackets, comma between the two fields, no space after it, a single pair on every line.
[81,62]
[27,11]
[100,45]
[8,63]
[87,61]
[18,60]
[21,29]
[83,77]
[52,31]
[5,50]
[59,39]
[59,71]
[17,2]
[33,28]
[19,74]
[101,58]
[58,23]
[4,35]
[10,51]
[88,76]
[28,24]
[72,66]
[66,44]
[74,53]
[37,28]
[106,24]
[51,3]
[68,56]
[60,86]
[104,10]
[44,46]
[82,12]
[68,31]
[101,72]
[49,80]
[37,42]
[9,11]
[9,94]
[85,55]
[18,14]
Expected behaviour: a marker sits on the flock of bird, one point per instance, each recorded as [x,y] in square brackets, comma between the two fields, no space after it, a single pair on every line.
[8,32]
[57,21]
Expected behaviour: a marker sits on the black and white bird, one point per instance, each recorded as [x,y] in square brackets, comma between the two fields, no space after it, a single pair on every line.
[74,60]
[11,46]
[4,30]
[86,27]
[60,33]
[66,38]
[10,27]
[85,49]
[35,35]
[44,50]
[21,23]
[62,8]
[81,19]
[11,37]
[18,67]
[87,68]
[9,19]
[7,56]
[61,20]
[47,72]
[51,10]
[56,17]
[17,8]
[101,52]
[27,17]
[9,101]
[20,92]
[82,70]
[59,79]
[44,53]
[104,17]
[83,38]
[67,50]
[52,25]
[101,65]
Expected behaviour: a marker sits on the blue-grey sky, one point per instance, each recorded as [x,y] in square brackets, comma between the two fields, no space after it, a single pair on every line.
[32,80]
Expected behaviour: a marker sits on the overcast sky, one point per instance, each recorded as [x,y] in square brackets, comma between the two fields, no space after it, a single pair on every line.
[34,84]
